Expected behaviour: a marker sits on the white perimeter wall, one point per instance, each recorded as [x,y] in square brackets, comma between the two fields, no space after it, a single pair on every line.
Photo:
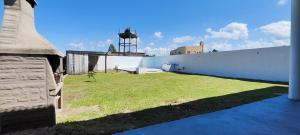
[271,64]
[120,61]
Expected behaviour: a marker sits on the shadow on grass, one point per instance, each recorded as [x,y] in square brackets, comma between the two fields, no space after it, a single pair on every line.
[241,79]
[23,119]
[126,121]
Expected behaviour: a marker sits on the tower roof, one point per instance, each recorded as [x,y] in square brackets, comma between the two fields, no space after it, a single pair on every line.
[127,34]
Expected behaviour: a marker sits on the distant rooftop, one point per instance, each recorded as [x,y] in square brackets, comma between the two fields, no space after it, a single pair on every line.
[102,53]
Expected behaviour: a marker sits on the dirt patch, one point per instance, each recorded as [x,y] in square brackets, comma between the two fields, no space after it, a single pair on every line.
[73,96]
[177,102]
[69,112]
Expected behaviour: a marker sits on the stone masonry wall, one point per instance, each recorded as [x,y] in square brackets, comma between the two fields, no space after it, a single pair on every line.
[22,82]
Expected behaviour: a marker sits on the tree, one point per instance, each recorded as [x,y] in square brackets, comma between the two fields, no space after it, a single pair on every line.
[112,48]
[215,50]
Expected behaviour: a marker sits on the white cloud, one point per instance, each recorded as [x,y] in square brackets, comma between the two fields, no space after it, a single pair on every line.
[161,51]
[108,41]
[220,46]
[100,45]
[80,46]
[91,45]
[282,2]
[158,35]
[233,31]
[247,44]
[281,42]
[151,44]
[281,29]
[255,44]
[138,40]
[279,35]
[182,39]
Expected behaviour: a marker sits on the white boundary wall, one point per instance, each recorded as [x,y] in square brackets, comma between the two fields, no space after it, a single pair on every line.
[271,64]
[119,61]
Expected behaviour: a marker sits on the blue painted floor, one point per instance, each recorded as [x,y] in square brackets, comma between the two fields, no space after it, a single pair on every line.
[276,116]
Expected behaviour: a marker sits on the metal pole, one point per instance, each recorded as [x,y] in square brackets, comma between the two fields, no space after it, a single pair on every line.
[119,46]
[136,44]
[294,84]
[129,45]
[124,47]
[106,63]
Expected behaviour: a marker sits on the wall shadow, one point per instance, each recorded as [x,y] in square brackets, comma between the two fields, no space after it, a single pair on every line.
[241,79]
[93,60]
[127,121]
[17,120]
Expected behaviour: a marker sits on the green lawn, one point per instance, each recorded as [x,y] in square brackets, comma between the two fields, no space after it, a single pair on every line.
[121,101]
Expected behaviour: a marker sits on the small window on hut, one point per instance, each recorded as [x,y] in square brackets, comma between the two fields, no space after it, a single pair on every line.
[54,62]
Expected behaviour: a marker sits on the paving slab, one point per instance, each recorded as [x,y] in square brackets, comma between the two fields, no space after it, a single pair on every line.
[276,116]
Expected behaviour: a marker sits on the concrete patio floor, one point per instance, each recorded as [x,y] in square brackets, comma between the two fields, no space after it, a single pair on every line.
[276,116]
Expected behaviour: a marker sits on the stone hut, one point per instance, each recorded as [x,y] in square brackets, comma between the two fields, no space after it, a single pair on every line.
[31,78]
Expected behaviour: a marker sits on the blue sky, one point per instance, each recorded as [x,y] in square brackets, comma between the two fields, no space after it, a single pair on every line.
[163,25]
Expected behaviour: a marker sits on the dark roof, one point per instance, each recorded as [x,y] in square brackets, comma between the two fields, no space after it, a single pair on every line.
[103,53]
[32,3]
[85,52]
[127,34]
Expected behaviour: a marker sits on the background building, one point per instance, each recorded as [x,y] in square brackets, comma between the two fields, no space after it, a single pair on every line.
[188,50]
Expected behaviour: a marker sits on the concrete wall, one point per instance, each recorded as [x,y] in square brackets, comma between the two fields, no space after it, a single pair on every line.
[271,64]
[77,63]
[120,61]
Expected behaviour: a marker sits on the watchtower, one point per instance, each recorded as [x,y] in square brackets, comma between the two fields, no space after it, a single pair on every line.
[127,39]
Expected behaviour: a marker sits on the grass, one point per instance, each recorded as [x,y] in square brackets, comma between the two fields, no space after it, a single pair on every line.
[118,101]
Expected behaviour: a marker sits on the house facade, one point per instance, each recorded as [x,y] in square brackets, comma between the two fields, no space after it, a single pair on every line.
[189,50]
